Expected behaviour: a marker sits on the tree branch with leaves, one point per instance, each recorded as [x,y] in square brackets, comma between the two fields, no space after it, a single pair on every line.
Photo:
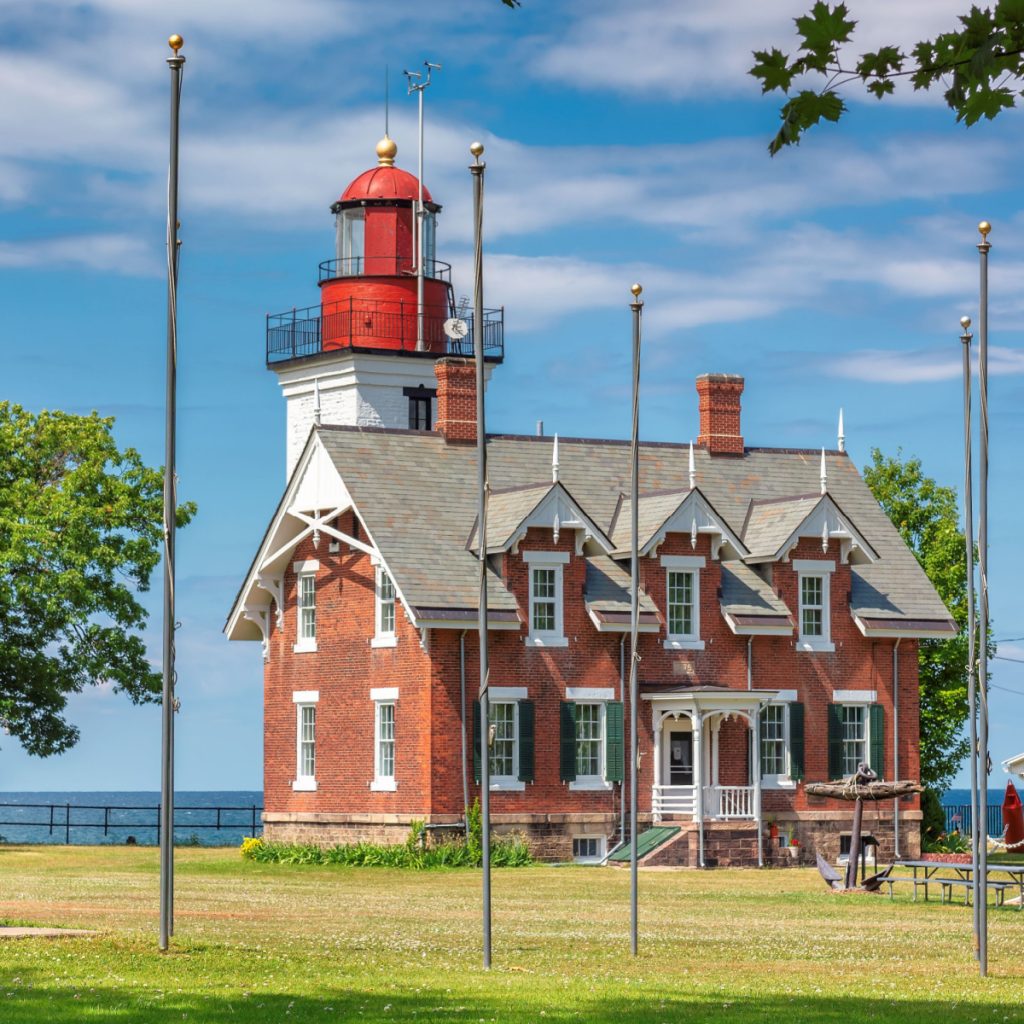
[981,66]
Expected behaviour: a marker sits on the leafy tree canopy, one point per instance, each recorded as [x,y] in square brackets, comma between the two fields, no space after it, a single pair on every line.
[81,530]
[927,517]
[981,67]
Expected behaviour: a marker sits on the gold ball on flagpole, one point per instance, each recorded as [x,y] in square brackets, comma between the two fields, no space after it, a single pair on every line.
[965,322]
[175,42]
[984,227]
[476,148]
[637,289]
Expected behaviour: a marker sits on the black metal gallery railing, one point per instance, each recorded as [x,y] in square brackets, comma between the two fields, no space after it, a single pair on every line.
[388,326]
[383,266]
[67,823]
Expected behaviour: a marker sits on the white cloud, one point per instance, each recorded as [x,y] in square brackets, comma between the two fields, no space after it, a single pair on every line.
[888,366]
[123,254]
[689,50]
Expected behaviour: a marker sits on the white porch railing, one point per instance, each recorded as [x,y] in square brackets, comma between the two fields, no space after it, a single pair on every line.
[675,801]
[728,802]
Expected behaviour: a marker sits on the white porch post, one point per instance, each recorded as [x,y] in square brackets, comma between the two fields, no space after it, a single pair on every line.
[656,723]
[755,769]
[698,770]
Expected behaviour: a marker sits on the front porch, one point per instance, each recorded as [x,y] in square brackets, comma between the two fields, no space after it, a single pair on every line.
[706,769]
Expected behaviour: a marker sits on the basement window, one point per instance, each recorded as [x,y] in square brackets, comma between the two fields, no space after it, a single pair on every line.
[588,849]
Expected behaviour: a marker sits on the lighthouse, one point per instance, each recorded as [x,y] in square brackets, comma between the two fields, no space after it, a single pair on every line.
[360,357]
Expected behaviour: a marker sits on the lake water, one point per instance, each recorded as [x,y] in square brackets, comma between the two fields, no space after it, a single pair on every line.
[111,817]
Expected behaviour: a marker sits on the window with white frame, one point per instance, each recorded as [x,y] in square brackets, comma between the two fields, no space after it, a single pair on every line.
[589,742]
[384,700]
[305,605]
[504,760]
[384,611]
[813,594]
[774,760]
[588,849]
[855,736]
[682,601]
[305,739]
[546,598]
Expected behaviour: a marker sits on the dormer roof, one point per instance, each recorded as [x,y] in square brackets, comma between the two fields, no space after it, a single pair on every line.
[774,526]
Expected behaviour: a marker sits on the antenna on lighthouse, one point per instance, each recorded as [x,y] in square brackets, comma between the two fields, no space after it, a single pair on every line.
[418,86]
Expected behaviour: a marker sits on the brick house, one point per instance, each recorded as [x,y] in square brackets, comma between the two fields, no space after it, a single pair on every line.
[780,610]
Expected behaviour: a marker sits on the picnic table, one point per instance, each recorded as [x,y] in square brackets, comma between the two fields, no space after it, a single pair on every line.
[950,875]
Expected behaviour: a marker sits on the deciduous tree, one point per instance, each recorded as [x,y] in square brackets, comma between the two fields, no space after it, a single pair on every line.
[81,530]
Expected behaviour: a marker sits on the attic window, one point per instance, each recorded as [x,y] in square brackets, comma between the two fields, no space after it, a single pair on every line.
[421,407]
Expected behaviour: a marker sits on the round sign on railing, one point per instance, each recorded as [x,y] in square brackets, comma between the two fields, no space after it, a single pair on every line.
[455,328]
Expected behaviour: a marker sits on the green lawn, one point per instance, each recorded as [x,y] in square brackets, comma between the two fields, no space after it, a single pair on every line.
[292,944]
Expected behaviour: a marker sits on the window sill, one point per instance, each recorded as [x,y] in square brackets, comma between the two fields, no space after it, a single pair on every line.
[684,645]
[816,646]
[547,641]
[777,782]
[304,785]
[305,647]
[506,784]
[384,641]
[590,785]
[384,785]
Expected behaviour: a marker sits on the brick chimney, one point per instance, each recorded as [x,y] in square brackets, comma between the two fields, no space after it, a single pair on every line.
[719,406]
[456,399]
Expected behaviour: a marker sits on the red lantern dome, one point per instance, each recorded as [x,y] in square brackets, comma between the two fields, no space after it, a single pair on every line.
[385,181]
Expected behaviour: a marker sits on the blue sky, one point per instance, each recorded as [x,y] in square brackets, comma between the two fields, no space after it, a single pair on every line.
[624,142]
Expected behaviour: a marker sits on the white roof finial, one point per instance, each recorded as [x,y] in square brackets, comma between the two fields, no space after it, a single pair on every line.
[554,462]
[693,469]
[316,401]
[824,473]
[842,435]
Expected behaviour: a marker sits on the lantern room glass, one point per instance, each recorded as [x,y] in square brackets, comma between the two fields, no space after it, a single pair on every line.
[351,240]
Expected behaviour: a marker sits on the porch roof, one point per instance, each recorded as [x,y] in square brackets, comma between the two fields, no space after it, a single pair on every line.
[711,698]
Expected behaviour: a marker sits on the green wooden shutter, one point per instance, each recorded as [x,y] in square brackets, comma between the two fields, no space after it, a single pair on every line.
[614,748]
[796,740]
[526,742]
[476,741]
[835,741]
[876,739]
[567,720]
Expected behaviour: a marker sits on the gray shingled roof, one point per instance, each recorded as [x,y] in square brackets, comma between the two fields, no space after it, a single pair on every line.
[771,523]
[417,496]
[652,512]
[505,512]
[607,588]
[745,593]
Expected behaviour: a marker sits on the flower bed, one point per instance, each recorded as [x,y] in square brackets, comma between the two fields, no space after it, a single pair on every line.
[948,858]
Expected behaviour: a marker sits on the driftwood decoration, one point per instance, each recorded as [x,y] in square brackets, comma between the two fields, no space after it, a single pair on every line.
[858,788]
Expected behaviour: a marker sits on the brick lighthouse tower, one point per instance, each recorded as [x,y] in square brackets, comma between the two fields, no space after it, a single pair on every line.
[365,355]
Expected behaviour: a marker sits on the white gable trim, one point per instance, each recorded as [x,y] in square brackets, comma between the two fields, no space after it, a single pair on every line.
[696,516]
[557,511]
[826,521]
[314,479]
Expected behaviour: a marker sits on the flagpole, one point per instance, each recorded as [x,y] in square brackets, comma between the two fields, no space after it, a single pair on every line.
[477,170]
[634,618]
[972,697]
[175,63]
[982,690]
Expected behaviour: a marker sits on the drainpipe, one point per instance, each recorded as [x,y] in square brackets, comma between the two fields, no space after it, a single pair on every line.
[755,754]
[896,745]
[462,685]
[622,698]
[750,657]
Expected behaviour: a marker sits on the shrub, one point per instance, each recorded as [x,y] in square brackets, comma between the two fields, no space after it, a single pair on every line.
[506,852]
[933,824]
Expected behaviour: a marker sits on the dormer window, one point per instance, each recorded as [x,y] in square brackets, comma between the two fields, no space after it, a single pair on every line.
[545,611]
[813,593]
[682,601]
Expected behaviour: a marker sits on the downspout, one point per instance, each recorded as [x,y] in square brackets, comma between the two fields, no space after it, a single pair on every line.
[896,745]
[622,699]
[755,755]
[750,657]
[462,719]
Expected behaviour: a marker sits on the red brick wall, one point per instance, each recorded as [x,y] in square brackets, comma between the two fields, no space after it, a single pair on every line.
[345,667]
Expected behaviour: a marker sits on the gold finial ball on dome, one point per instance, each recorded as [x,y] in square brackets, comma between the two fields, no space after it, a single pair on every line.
[984,227]
[637,289]
[477,149]
[387,150]
[965,322]
[175,42]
